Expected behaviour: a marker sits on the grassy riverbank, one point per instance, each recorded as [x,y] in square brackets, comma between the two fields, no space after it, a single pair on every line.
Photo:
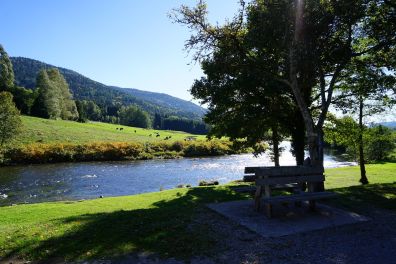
[114,151]
[162,222]
[49,141]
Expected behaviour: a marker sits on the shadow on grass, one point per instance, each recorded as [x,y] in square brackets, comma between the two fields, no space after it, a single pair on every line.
[366,196]
[167,228]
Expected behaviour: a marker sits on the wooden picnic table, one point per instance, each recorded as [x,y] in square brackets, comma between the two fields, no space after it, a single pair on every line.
[301,180]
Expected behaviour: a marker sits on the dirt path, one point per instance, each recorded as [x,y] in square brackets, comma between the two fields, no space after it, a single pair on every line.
[369,242]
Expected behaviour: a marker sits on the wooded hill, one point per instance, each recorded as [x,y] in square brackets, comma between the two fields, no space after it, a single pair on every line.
[83,88]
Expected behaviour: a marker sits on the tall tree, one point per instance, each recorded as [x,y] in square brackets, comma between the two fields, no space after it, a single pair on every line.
[67,104]
[24,99]
[242,103]
[10,121]
[48,103]
[157,123]
[92,110]
[54,99]
[310,43]
[6,71]
[368,88]
[134,116]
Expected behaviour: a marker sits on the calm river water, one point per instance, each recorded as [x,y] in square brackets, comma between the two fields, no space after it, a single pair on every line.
[74,181]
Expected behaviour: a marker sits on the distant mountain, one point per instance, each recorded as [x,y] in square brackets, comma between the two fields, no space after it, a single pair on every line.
[391,124]
[164,99]
[83,88]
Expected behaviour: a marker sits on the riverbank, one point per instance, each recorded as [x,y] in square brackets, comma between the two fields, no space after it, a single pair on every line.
[164,223]
[115,151]
[52,141]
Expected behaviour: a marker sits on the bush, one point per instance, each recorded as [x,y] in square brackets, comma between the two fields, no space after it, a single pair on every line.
[49,153]
[380,143]
[209,148]
[177,146]
[102,151]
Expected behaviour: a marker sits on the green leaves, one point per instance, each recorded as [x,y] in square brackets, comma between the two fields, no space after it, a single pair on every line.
[6,71]
[134,116]
[10,121]
[54,99]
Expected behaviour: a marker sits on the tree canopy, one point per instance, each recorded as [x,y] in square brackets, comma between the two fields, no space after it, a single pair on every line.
[6,71]
[54,98]
[276,56]
[10,121]
[134,116]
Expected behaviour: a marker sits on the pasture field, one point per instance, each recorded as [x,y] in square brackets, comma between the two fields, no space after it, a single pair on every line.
[47,131]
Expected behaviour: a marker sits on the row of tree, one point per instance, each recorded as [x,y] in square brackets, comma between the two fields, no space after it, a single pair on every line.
[135,116]
[275,69]
[345,134]
[179,124]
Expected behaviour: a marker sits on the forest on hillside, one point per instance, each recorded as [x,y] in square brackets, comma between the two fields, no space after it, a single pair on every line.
[38,95]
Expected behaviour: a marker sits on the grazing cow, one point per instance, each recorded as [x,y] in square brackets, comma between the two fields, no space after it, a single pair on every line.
[158,135]
[121,128]
[116,128]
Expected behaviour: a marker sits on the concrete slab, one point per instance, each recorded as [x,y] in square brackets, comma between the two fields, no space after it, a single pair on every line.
[287,219]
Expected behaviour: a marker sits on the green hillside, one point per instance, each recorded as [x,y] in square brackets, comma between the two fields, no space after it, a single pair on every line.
[38,130]
[83,88]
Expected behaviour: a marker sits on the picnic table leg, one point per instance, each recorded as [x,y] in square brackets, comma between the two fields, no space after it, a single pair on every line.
[268,210]
[312,206]
[268,206]
[257,198]
[312,203]
[298,190]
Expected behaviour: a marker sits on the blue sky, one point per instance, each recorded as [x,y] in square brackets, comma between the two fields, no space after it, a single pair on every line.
[126,43]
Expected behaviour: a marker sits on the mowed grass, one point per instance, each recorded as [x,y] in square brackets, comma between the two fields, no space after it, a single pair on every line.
[38,130]
[162,222]
[349,176]
[156,222]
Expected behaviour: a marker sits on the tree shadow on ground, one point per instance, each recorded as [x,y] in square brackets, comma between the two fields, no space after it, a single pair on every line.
[366,196]
[167,228]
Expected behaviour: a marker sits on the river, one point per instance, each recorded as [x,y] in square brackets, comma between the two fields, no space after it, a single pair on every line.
[75,181]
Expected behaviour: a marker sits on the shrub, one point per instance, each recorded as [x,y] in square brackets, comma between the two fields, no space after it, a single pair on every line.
[177,146]
[101,151]
[47,153]
[208,148]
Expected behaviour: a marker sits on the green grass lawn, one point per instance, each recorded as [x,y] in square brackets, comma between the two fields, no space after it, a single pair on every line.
[38,130]
[161,222]
[349,176]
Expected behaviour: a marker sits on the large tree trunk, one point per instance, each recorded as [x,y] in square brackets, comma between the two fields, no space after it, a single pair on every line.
[363,177]
[298,139]
[275,144]
[314,133]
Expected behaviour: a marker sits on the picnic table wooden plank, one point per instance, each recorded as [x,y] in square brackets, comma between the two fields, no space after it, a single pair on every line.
[293,179]
[284,170]
[267,178]
[298,197]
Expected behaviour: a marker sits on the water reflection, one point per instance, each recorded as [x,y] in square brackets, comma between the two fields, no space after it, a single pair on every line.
[73,181]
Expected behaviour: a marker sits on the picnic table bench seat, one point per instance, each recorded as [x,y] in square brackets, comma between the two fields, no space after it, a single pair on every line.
[294,179]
